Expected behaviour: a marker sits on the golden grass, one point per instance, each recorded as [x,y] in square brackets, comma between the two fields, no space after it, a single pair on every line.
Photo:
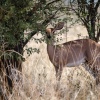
[38,81]
[75,84]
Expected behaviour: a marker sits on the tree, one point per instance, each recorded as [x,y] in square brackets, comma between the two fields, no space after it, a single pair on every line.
[16,16]
[89,14]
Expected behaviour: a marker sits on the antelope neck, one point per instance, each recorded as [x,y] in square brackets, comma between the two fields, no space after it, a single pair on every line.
[50,41]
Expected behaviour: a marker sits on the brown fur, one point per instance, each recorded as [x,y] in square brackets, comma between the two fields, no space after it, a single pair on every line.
[74,53]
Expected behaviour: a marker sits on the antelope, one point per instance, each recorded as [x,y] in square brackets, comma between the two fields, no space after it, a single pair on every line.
[73,53]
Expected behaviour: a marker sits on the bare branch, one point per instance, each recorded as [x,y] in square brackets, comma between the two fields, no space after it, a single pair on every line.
[49,18]
[98,35]
[97,5]
[52,2]
[82,19]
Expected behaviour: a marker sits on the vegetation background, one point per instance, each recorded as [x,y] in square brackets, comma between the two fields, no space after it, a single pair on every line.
[25,70]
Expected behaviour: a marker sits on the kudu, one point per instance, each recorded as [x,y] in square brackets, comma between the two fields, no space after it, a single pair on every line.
[73,53]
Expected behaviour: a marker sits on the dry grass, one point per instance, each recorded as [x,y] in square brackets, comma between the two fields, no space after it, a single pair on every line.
[75,84]
[38,81]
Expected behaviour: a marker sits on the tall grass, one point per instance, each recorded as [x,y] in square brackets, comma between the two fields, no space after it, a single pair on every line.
[38,82]
[75,84]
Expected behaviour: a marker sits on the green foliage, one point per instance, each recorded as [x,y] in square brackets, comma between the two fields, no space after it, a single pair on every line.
[16,16]
[14,19]
[88,12]
[31,50]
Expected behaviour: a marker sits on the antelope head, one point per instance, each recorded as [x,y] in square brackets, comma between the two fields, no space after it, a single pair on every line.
[51,31]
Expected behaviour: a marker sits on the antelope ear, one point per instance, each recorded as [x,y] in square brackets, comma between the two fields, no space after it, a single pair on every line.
[59,26]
